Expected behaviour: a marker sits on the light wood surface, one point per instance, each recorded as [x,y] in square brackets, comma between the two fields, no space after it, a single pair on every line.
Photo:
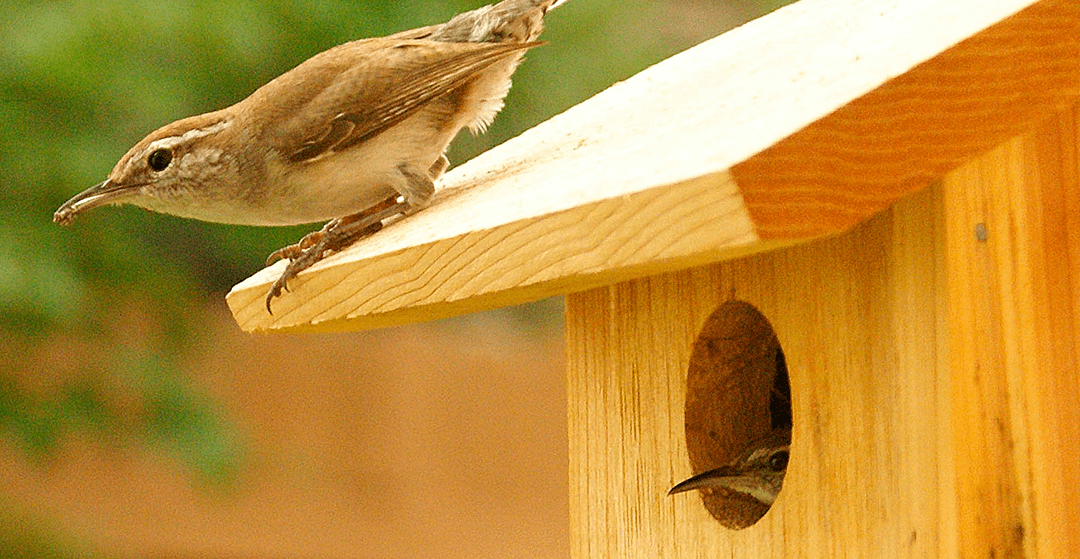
[917,126]
[934,379]
[799,124]
[1014,318]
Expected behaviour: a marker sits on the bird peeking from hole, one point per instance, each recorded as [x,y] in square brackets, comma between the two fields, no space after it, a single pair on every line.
[757,473]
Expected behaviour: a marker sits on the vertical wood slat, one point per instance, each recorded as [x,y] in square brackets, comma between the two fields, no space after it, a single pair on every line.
[857,317]
[1015,321]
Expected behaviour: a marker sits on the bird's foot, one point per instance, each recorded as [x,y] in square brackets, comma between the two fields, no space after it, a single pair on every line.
[334,236]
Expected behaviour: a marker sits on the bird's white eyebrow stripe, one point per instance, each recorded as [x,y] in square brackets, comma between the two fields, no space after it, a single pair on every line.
[186,136]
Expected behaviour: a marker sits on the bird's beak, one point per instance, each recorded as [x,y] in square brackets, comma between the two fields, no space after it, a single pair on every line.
[720,477]
[105,192]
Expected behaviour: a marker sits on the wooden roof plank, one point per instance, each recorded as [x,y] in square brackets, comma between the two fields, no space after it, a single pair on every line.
[796,125]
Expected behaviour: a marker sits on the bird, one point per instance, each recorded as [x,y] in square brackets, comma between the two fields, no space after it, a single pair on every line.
[356,135]
[757,473]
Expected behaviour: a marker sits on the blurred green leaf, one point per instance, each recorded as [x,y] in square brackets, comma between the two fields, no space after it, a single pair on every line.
[27,536]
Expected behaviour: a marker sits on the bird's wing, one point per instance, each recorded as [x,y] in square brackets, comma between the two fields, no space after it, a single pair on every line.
[361,99]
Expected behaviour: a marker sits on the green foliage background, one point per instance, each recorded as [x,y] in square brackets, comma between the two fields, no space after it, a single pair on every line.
[81,81]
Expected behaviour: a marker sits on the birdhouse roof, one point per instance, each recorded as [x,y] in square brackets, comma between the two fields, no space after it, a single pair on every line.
[797,125]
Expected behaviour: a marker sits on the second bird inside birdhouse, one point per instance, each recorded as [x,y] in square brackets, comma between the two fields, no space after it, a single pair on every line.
[738,415]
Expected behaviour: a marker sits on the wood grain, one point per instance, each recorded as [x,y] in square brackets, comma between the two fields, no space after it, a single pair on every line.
[800,123]
[1014,348]
[916,126]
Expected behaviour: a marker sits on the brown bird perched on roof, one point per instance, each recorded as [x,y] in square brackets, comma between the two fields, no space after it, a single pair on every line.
[355,135]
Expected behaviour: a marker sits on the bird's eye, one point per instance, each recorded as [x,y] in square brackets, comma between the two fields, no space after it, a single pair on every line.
[778,461]
[159,159]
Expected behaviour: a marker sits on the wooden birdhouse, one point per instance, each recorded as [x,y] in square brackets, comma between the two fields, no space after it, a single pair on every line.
[879,198]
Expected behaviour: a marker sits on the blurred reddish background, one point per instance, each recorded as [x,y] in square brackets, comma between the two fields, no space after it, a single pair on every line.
[445,439]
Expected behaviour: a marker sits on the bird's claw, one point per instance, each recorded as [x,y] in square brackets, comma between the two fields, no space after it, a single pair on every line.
[301,257]
[334,236]
[275,291]
[294,251]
